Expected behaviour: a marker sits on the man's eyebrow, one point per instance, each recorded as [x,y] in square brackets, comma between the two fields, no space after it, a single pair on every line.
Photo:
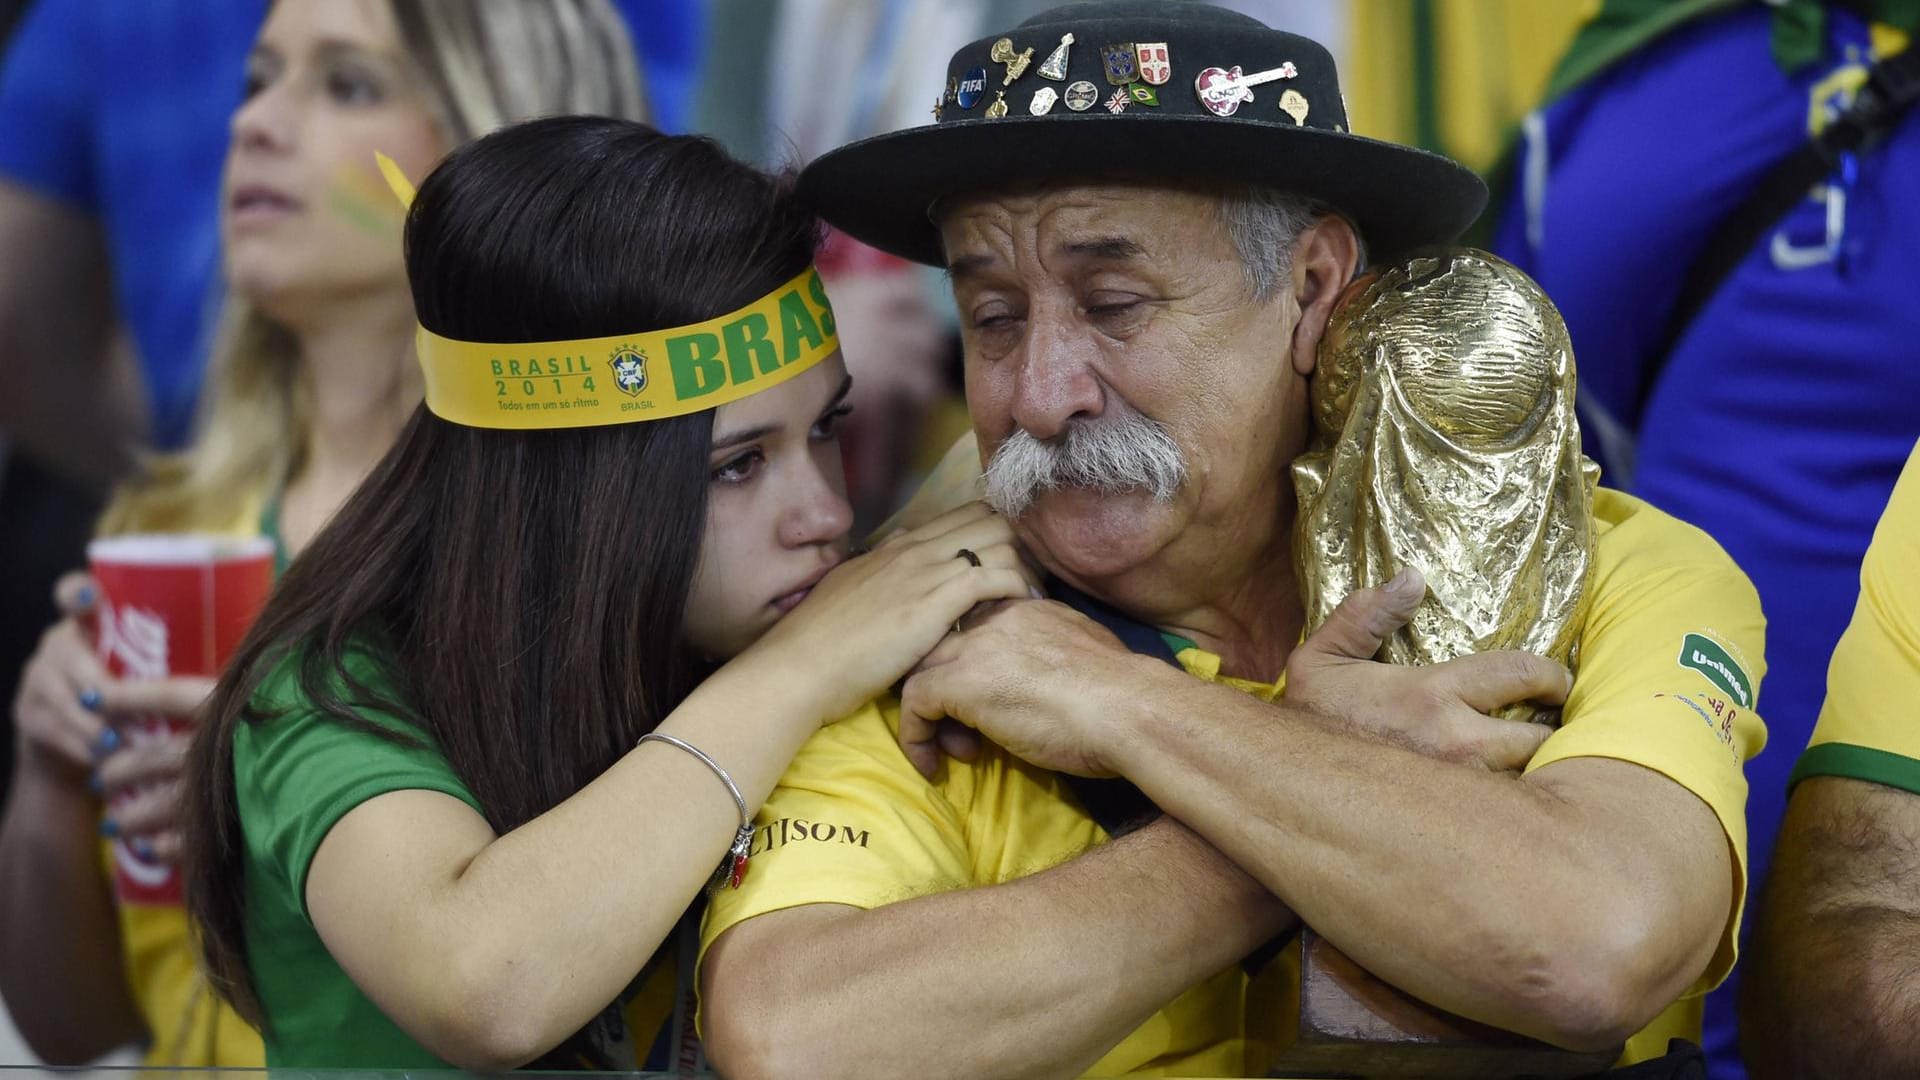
[1117,248]
[968,265]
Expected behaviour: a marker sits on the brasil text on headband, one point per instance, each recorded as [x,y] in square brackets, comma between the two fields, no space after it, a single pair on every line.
[618,379]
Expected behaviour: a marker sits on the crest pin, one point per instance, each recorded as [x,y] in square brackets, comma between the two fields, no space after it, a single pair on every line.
[1151,58]
[1122,64]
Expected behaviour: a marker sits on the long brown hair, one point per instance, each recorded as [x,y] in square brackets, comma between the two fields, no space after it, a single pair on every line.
[521,593]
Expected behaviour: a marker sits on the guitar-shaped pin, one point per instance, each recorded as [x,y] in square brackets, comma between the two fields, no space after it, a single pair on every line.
[1223,91]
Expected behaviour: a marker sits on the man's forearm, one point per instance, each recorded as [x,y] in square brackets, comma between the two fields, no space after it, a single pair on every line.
[1837,1006]
[61,968]
[1479,892]
[1829,989]
[1037,977]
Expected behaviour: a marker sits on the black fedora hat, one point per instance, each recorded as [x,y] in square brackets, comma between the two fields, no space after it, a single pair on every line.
[1140,88]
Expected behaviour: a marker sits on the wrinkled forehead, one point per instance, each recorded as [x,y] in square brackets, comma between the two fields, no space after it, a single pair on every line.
[1114,219]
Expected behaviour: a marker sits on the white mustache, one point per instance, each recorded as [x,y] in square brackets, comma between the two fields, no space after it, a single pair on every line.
[1119,452]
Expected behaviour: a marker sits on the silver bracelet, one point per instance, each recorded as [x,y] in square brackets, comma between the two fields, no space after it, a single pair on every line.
[733,868]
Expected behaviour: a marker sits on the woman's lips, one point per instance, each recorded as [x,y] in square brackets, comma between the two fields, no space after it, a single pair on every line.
[258,203]
[792,600]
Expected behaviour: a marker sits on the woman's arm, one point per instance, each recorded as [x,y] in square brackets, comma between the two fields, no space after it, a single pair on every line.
[60,961]
[61,968]
[489,950]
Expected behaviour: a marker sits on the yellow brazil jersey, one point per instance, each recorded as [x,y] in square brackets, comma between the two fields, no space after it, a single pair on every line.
[1670,664]
[1867,729]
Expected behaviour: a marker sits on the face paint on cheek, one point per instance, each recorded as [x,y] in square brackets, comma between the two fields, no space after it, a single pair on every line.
[361,197]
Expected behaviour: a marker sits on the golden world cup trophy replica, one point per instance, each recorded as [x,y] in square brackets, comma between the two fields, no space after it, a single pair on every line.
[1444,439]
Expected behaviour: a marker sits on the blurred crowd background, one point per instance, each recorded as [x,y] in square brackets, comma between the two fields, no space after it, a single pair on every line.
[1614,136]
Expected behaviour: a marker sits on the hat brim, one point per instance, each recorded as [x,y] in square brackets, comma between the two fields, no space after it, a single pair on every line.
[879,190]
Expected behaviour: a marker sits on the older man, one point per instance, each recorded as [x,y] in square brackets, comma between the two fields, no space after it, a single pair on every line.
[1144,252]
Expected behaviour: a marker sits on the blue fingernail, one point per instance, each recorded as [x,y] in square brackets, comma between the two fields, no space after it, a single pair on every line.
[94,785]
[84,597]
[109,828]
[142,848]
[90,699]
[107,743]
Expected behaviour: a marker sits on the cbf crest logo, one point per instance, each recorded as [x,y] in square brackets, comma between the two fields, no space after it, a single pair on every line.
[629,370]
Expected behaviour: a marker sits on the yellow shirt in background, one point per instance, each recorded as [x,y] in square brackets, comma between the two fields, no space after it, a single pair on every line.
[1868,729]
[1671,657]
[189,1025]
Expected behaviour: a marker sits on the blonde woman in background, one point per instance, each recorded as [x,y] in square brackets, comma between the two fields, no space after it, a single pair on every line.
[311,379]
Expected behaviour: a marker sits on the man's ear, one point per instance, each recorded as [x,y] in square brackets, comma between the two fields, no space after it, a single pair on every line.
[1324,259]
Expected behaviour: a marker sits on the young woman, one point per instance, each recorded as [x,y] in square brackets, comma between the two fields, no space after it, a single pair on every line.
[311,379]
[504,718]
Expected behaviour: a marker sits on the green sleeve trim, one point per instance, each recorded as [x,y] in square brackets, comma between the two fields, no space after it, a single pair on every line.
[1857,763]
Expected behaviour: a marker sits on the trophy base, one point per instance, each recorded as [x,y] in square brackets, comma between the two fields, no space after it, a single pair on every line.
[1342,1022]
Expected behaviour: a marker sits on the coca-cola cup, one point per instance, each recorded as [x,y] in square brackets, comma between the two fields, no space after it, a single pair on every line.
[170,605]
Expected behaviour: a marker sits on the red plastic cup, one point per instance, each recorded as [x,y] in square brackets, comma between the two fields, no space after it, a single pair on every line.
[170,605]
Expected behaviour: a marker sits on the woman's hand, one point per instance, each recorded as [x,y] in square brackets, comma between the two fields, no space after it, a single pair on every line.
[874,617]
[56,711]
[78,725]
[140,780]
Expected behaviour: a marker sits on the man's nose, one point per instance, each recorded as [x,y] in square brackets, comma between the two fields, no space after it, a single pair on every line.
[1056,382]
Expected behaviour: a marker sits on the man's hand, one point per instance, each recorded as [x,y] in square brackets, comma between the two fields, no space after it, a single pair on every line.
[1035,676]
[1439,711]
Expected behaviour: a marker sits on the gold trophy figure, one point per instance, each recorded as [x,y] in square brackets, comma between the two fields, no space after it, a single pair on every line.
[1443,438]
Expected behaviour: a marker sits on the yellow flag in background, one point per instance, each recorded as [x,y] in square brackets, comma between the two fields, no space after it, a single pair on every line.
[1453,76]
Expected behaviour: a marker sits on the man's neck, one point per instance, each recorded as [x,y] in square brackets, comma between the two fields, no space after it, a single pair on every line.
[1252,628]
[1245,609]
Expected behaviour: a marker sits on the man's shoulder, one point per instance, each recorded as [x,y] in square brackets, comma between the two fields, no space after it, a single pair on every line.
[1633,538]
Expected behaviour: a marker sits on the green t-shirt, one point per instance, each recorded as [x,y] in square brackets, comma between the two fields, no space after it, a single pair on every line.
[296,775]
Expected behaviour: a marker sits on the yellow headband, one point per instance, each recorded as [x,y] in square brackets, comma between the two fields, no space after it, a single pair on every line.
[618,379]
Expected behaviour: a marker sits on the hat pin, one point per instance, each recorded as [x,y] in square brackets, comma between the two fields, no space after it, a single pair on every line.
[1223,90]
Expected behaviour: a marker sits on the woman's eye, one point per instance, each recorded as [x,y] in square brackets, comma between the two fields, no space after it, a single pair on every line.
[739,468]
[259,74]
[350,87]
[829,425]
